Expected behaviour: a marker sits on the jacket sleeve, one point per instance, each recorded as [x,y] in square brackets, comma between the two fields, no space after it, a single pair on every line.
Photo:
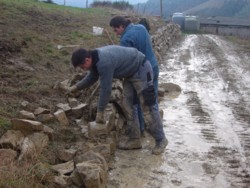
[106,77]
[88,80]
[127,41]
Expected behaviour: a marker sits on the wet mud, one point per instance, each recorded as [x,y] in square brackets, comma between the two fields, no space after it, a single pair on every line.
[206,120]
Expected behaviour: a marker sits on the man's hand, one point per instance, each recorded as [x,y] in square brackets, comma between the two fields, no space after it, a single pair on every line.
[99,118]
[71,90]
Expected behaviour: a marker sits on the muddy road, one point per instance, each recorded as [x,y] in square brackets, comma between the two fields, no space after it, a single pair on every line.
[207,123]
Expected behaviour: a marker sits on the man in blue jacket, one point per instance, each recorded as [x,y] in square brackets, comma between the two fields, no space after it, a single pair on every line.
[136,35]
[113,61]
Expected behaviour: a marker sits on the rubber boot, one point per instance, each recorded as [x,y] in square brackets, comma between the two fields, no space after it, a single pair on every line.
[160,146]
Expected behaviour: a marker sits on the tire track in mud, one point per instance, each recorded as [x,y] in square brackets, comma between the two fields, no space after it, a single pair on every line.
[242,114]
[236,174]
[203,68]
[238,68]
[202,118]
[235,161]
[228,158]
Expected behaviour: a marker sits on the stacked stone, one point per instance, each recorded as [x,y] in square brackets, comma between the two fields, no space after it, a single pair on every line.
[84,160]
[164,38]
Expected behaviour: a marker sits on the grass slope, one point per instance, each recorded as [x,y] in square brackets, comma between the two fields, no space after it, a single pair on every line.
[30,63]
[207,5]
[226,8]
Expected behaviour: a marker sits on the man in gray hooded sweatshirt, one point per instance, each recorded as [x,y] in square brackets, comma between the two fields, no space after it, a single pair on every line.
[113,61]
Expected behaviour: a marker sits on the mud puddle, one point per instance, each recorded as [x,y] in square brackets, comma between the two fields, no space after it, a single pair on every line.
[207,123]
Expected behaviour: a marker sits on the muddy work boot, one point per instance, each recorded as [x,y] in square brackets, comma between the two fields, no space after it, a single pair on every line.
[130,144]
[160,146]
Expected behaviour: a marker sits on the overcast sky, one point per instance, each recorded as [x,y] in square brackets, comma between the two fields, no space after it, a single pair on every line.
[82,3]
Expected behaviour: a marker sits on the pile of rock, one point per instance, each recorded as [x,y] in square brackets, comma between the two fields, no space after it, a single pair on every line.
[164,38]
[83,149]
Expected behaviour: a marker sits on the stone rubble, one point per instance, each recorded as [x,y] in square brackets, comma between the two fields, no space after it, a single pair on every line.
[164,38]
[84,148]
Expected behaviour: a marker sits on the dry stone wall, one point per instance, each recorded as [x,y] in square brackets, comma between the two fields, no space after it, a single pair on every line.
[83,148]
[164,38]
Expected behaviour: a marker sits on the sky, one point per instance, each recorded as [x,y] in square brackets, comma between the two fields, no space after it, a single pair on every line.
[82,3]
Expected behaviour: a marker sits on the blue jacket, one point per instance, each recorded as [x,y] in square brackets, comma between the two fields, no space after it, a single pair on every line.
[136,35]
[114,62]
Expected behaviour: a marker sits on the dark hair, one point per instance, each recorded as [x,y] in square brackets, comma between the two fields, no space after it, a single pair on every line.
[78,57]
[117,21]
[144,21]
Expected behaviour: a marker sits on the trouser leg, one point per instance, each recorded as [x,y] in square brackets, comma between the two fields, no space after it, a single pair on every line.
[155,82]
[133,129]
[141,81]
[140,117]
[139,111]
[153,121]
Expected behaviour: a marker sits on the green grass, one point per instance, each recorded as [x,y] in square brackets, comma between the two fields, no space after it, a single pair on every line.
[26,175]
[42,26]
[4,125]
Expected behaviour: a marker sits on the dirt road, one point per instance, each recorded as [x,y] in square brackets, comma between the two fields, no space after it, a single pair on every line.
[207,124]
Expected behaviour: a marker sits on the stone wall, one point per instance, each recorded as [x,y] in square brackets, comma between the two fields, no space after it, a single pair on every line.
[164,38]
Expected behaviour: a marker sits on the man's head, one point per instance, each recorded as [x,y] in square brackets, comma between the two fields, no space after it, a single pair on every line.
[119,24]
[81,58]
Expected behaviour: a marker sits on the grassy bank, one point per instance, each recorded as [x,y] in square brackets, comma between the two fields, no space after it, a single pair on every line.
[31,63]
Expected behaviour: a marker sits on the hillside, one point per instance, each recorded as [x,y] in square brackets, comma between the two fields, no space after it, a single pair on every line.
[31,63]
[211,4]
[202,8]
[152,7]
[226,8]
